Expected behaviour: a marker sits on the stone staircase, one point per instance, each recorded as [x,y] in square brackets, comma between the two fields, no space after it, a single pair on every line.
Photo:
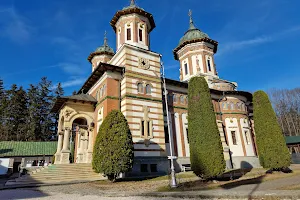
[57,174]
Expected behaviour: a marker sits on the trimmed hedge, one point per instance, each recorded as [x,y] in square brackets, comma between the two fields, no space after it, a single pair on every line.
[113,149]
[272,150]
[206,151]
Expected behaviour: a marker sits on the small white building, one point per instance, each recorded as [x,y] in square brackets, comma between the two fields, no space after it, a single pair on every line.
[26,154]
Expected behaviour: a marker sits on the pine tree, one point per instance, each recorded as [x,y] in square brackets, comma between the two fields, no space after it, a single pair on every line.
[206,152]
[45,103]
[16,113]
[113,149]
[59,91]
[272,149]
[3,106]
[33,117]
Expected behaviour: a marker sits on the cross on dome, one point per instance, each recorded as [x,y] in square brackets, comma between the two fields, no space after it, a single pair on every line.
[105,38]
[192,26]
[132,2]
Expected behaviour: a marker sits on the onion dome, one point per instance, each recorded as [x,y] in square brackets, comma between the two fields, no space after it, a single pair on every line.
[131,9]
[102,50]
[193,35]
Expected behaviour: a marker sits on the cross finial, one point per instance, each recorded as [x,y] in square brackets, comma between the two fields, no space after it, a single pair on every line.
[132,2]
[105,38]
[190,15]
[191,19]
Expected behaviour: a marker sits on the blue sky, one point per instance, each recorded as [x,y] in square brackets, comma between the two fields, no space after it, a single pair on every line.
[258,40]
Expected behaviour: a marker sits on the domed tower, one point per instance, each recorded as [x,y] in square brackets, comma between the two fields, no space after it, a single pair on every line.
[195,53]
[102,54]
[133,25]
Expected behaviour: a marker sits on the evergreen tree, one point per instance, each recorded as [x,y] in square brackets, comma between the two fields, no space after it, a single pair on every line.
[272,150]
[33,117]
[113,149]
[3,106]
[59,91]
[16,113]
[206,152]
[21,106]
[74,92]
[45,104]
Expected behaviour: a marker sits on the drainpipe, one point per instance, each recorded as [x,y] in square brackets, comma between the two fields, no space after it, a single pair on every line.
[221,114]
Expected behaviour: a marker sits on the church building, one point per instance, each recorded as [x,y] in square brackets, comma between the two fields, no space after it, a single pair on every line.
[130,80]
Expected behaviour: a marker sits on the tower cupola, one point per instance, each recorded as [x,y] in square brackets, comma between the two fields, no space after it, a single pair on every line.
[195,53]
[102,54]
[133,25]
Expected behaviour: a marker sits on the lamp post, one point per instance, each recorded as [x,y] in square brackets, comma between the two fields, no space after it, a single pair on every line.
[173,183]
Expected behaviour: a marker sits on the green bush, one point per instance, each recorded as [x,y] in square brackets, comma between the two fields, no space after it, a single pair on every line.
[113,149]
[272,150]
[206,151]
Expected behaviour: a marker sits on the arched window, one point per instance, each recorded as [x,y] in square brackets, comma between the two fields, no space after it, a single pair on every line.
[174,98]
[182,99]
[148,89]
[231,106]
[140,87]
[209,64]
[243,107]
[101,92]
[224,106]
[97,95]
[104,88]
[238,105]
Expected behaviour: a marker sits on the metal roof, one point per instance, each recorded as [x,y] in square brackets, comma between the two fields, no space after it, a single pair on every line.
[15,149]
[292,139]
[84,98]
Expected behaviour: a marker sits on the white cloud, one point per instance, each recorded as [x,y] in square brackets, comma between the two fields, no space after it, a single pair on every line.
[14,26]
[75,81]
[232,46]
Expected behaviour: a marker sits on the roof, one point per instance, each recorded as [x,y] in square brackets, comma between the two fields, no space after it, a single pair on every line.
[14,149]
[133,8]
[97,73]
[193,35]
[105,49]
[84,98]
[292,139]
[248,95]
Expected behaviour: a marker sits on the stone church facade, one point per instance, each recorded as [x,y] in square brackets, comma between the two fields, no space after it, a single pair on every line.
[130,80]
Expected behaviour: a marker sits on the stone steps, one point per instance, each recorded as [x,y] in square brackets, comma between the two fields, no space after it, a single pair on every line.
[57,174]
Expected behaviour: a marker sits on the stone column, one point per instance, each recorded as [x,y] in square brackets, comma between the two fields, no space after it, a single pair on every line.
[59,148]
[80,146]
[65,153]
[66,144]
[90,147]
[60,142]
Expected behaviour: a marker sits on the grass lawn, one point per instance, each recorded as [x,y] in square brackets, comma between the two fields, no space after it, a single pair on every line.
[255,176]
[188,181]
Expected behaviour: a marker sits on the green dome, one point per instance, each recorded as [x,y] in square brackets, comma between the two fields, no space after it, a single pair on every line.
[192,34]
[105,48]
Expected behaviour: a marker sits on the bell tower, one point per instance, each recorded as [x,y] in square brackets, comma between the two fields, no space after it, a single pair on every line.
[195,53]
[102,54]
[132,26]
